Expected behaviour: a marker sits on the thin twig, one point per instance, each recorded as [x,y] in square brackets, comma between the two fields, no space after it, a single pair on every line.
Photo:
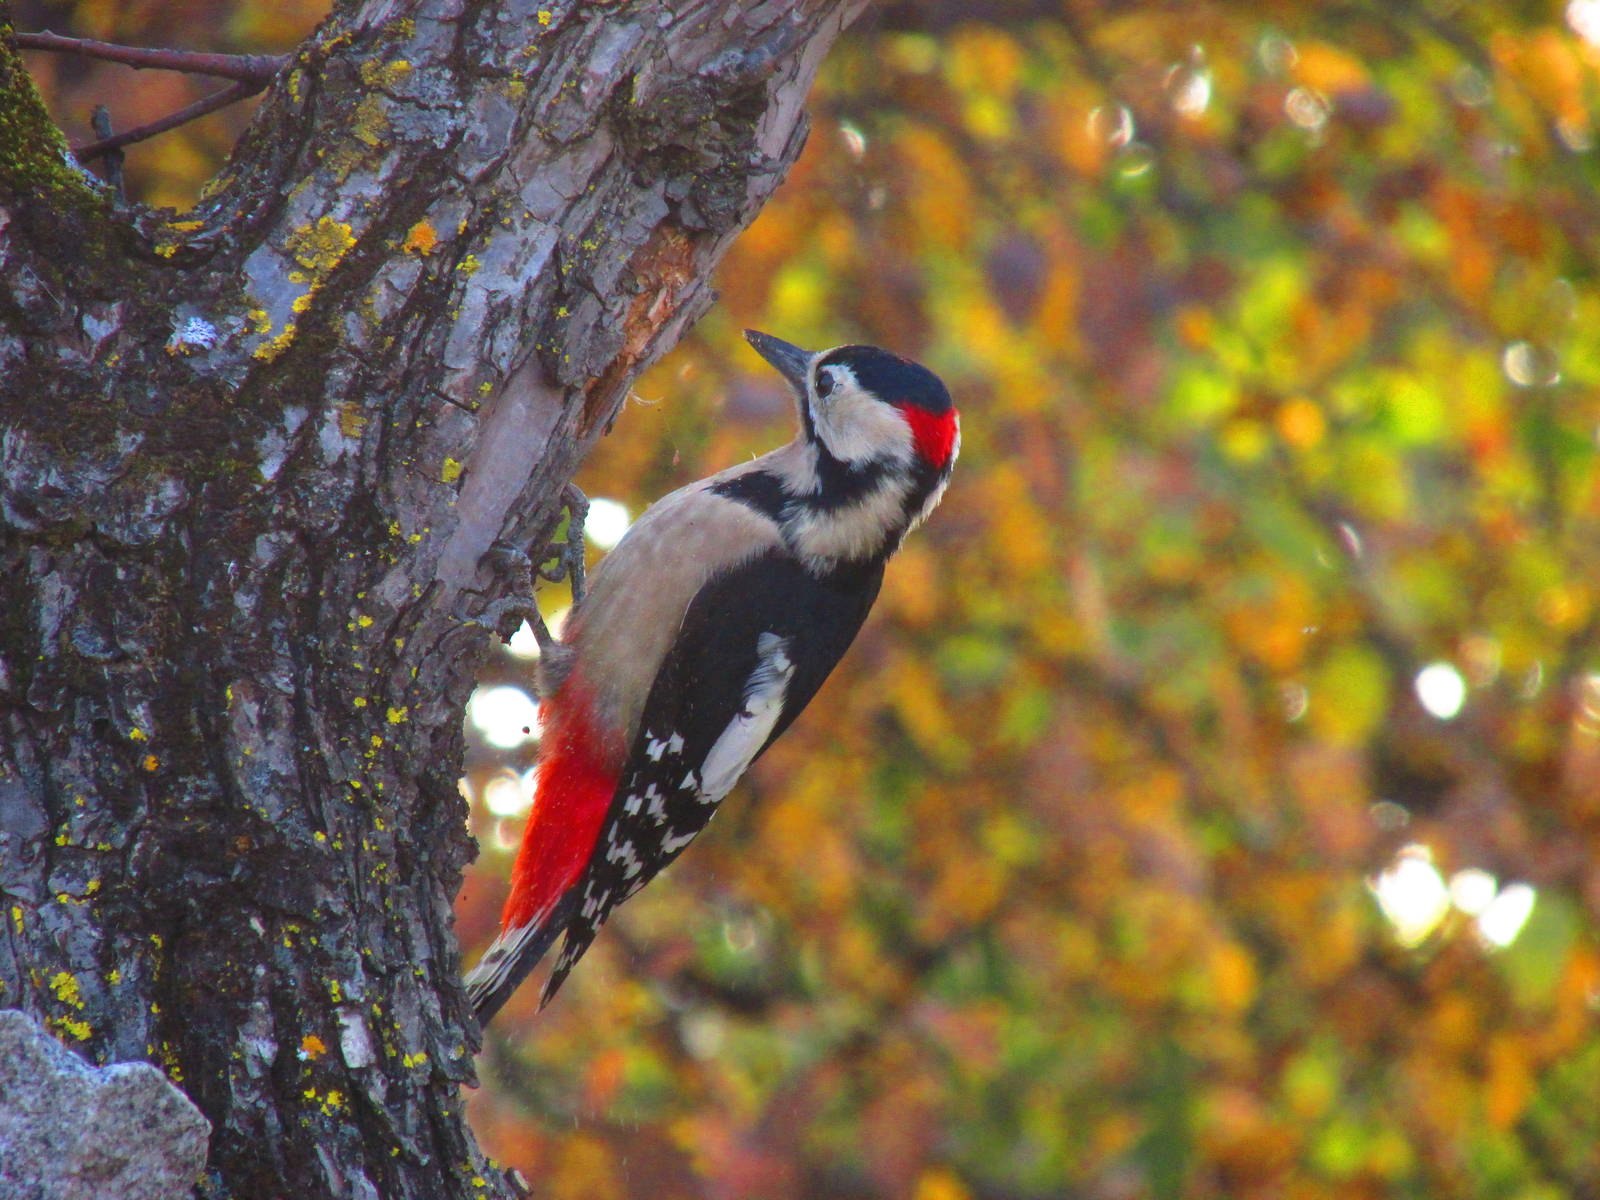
[100,120]
[220,99]
[257,69]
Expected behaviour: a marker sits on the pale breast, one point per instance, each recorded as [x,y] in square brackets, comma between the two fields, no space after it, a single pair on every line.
[639,594]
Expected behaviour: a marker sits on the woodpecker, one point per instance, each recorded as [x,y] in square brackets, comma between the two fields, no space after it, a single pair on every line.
[702,636]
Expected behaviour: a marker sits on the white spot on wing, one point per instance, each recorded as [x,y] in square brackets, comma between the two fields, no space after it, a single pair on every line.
[742,740]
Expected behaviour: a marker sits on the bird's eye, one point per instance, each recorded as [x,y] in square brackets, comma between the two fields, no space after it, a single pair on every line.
[824,382]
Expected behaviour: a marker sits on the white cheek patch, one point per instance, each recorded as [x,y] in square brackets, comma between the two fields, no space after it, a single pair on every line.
[855,426]
[742,740]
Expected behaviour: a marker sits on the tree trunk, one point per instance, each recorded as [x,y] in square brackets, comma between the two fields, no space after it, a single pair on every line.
[251,462]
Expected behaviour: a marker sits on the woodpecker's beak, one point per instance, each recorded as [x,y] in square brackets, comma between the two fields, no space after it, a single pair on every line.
[791,361]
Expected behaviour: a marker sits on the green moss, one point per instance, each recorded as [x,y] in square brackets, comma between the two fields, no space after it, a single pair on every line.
[33,152]
[66,214]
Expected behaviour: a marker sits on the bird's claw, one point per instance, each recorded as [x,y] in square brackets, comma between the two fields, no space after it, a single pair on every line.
[566,564]
[567,556]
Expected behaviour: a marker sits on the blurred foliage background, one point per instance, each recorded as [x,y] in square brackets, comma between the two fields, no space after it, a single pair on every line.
[1210,806]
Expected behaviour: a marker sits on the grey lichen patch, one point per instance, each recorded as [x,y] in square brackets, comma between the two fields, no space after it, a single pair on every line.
[191,334]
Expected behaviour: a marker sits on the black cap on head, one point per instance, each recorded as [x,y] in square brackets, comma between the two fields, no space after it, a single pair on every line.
[892,378]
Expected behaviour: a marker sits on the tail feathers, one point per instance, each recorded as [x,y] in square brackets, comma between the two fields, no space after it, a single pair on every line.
[579,938]
[512,956]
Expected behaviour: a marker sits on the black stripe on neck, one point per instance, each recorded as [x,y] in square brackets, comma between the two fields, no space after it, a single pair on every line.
[841,484]
[759,490]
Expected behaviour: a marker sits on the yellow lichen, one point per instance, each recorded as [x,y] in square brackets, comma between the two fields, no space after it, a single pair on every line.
[78,1029]
[312,1047]
[398,715]
[469,265]
[272,347]
[384,75]
[319,247]
[65,985]
[450,472]
[214,185]
[138,735]
[351,419]
[370,123]
[150,762]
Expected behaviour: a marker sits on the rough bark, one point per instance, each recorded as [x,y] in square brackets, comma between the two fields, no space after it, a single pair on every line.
[251,462]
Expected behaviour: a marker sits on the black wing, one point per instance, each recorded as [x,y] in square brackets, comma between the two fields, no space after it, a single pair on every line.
[768,628]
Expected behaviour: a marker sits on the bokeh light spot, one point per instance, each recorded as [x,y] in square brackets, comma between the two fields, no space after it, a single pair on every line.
[1503,920]
[1412,894]
[506,716]
[608,520]
[1441,690]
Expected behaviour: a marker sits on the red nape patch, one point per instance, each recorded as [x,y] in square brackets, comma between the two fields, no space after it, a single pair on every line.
[933,433]
[573,787]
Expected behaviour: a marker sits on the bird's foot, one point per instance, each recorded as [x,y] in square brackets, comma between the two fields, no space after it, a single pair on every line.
[559,561]
[567,556]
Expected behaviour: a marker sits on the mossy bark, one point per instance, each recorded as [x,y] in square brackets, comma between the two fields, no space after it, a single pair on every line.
[251,462]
